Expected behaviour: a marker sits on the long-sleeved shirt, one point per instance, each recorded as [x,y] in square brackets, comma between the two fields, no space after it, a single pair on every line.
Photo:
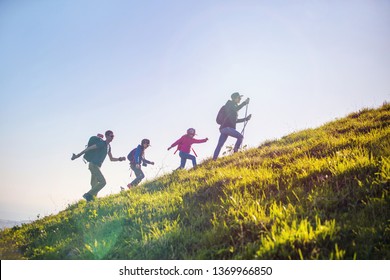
[137,156]
[185,142]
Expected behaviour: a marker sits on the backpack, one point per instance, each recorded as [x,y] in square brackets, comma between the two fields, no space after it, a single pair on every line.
[88,156]
[221,116]
[130,156]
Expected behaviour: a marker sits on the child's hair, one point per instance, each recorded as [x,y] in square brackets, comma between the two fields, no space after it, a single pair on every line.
[191,131]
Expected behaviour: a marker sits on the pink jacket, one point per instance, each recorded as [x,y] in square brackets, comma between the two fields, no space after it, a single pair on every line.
[185,142]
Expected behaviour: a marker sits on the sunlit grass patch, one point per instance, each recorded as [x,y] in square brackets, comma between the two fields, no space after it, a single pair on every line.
[314,194]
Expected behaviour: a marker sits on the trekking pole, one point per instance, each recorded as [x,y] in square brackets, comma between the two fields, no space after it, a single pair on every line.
[245,123]
[246,114]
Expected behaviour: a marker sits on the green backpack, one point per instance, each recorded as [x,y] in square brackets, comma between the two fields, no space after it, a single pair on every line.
[88,156]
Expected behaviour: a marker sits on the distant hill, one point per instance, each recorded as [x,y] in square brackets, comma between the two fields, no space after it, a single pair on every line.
[9,224]
[314,194]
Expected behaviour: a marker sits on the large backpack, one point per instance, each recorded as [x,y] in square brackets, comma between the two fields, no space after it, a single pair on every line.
[92,141]
[221,116]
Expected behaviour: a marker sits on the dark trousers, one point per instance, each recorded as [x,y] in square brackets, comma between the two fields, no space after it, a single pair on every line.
[225,133]
[138,174]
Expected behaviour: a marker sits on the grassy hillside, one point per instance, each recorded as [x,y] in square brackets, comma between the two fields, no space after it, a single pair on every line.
[315,194]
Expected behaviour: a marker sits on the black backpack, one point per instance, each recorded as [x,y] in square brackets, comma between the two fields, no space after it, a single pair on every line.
[221,116]
[88,156]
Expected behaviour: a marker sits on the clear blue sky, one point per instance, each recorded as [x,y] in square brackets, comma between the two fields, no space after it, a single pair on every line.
[152,69]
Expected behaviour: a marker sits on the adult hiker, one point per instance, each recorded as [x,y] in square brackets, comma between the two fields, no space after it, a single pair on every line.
[228,118]
[184,147]
[95,154]
[136,158]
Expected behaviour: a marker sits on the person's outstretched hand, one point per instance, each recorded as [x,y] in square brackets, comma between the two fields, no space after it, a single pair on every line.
[74,157]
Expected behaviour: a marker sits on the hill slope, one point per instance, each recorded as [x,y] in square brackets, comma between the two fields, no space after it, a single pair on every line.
[315,194]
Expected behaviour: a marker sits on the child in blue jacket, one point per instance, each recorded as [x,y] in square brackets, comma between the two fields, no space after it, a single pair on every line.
[136,158]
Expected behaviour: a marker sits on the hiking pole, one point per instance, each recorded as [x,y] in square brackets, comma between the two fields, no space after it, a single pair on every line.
[245,123]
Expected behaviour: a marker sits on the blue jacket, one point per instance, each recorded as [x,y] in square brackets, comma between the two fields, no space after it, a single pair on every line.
[138,156]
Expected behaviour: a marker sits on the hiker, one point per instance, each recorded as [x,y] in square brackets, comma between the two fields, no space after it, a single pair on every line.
[95,154]
[184,147]
[136,158]
[228,118]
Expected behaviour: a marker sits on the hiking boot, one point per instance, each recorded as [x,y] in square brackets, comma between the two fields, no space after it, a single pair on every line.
[87,197]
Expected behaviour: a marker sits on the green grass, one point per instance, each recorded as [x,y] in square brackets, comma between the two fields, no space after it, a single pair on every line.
[315,194]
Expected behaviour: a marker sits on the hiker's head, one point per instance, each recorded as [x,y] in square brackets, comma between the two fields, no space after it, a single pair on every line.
[191,132]
[236,97]
[109,135]
[145,143]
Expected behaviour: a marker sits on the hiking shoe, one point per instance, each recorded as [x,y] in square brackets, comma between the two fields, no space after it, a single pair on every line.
[87,197]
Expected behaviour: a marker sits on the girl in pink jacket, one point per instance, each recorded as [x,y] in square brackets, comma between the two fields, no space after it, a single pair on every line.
[184,147]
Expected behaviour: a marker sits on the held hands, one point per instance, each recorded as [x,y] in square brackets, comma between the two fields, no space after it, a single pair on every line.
[247,101]
[170,148]
[248,117]
[122,158]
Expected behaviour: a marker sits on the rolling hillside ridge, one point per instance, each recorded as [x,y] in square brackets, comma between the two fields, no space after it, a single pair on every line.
[319,193]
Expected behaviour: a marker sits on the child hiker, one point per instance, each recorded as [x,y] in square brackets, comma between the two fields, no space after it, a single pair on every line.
[136,158]
[184,147]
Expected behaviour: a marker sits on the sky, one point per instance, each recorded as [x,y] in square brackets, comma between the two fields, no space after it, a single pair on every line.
[152,69]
